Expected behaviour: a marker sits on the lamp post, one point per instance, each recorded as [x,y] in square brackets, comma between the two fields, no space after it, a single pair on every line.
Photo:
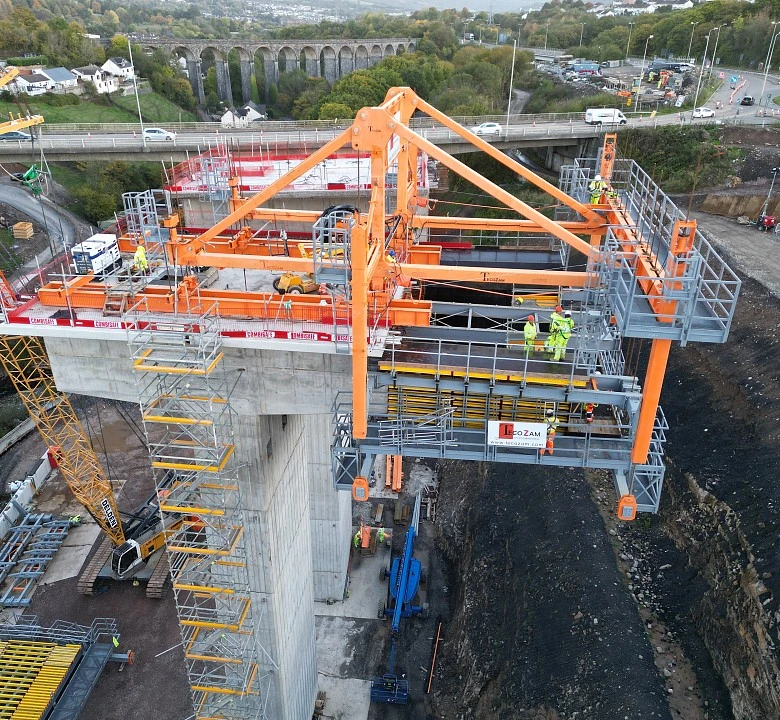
[511,81]
[768,59]
[642,72]
[135,87]
[715,50]
[775,170]
[546,31]
[701,72]
[628,44]
[690,44]
[582,32]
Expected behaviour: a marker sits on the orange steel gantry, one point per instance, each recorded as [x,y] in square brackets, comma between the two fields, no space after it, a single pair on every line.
[662,261]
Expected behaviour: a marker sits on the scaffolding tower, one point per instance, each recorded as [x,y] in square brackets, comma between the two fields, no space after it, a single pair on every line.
[184,394]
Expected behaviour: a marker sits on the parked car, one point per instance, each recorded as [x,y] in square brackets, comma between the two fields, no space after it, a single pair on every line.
[16,135]
[703,112]
[747,100]
[488,128]
[158,134]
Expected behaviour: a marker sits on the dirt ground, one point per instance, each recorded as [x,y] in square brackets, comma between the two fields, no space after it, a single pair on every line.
[156,684]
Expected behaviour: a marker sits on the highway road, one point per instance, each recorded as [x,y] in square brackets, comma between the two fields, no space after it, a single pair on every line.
[114,141]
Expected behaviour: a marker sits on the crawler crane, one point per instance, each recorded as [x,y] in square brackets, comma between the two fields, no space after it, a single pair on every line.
[134,545]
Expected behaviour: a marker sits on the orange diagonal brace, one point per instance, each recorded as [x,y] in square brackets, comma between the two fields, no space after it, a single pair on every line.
[513,165]
[256,200]
[479,181]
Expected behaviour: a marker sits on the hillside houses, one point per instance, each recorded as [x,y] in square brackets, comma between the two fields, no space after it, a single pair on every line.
[110,77]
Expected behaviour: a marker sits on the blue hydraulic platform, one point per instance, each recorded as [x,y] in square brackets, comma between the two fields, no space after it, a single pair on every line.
[406,574]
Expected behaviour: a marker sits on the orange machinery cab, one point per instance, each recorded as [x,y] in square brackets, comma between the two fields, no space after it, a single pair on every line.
[627,508]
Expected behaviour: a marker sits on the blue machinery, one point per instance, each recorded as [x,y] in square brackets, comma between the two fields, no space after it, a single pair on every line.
[405,575]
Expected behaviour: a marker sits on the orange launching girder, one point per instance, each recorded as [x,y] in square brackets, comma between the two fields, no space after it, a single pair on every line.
[383,134]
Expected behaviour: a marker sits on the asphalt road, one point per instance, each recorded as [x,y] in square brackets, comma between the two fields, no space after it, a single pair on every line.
[276,135]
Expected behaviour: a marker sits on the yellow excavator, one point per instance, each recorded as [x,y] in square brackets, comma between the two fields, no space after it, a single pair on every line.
[134,546]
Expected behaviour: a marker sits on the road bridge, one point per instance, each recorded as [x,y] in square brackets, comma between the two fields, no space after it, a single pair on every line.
[268,59]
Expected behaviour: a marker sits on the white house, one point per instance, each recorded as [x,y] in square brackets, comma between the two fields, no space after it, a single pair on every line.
[33,84]
[241,117]
[103,81]
[119,67]
[62,78]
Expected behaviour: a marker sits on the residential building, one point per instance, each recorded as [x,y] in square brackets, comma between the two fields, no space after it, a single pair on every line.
[32,84]
[119,67]
[62,78]
[104,82]
[243,116]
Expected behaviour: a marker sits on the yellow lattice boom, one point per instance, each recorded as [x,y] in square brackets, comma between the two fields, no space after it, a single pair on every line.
[27,364]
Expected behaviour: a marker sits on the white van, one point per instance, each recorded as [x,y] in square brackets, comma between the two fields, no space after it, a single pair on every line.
[609,116]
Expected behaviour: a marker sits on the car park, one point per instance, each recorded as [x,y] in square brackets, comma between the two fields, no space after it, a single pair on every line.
[488,128]
[703,112]
[158,134]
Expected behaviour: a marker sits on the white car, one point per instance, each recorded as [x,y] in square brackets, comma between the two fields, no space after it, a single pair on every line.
[490,128]
[703,112]
[158,134]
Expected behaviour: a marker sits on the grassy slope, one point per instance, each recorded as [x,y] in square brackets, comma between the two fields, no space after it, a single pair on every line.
[155,109]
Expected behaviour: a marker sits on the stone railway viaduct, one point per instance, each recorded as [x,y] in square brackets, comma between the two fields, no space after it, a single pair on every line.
[331,59]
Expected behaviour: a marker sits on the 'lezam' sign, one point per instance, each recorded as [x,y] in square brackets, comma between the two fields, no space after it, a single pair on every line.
[516,434]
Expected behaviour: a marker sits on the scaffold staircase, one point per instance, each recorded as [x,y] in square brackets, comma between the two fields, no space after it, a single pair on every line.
[184,394]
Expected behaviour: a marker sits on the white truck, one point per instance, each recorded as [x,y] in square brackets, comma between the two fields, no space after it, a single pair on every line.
[604,116]
[98,254]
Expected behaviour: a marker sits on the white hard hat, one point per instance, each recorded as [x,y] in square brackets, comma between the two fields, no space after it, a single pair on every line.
[598,177]
[567,313]
[549,411]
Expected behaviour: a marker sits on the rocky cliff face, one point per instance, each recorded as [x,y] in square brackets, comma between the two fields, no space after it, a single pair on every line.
[737,617]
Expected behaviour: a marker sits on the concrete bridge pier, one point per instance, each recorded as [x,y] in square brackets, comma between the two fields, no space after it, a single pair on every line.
[247,73]
[296,526]
[194,71]
[224,89]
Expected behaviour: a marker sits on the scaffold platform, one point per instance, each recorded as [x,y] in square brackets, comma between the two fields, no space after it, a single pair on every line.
[47,673]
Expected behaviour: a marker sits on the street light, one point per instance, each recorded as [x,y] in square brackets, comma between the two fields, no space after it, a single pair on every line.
[701,72]
[546,30]
[511,81]
[642,72]
[690,44]
[775,170]
[135,87]
[768,60]
[628,44]
[582,31]
[715,49]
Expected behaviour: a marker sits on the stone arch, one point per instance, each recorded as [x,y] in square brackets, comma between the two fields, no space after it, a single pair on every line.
[376,54]
[214,56]
[189,63]
[400,49]
[265,71]
[309,61]
[329,66]
[287,59]
[346,61]
[389,50]
[411,47]
[361,57]
[246,71]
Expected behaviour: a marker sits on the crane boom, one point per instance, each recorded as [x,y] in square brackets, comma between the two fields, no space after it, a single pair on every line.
[27,364]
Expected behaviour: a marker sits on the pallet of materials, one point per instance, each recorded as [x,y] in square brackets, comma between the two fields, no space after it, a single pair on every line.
[23,230]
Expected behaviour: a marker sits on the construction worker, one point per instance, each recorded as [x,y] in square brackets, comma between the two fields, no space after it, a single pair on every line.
[356,539]
[139,259]
[596,187]
[561,336]
[556,318]
[529,333]
[380,536]
[552,423]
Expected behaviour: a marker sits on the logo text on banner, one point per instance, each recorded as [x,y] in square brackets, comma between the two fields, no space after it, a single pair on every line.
[516,434]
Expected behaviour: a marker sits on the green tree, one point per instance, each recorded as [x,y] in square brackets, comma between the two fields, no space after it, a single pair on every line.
[335,111]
